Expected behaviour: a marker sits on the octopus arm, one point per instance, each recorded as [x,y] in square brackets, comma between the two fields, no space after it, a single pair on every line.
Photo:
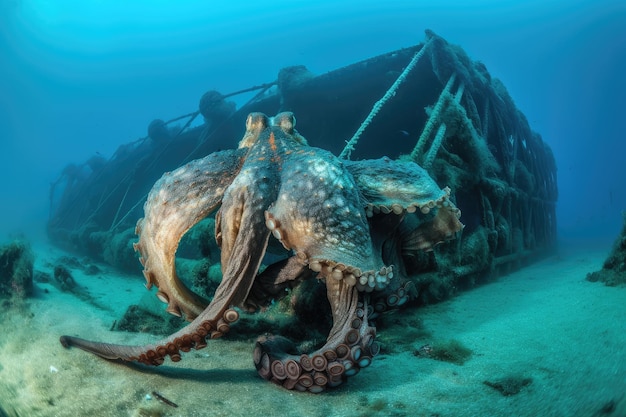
[194,335]
[403,187]
[429,233]
[179,200]
[242,234]
[395,186]
[349,347]
[248,249]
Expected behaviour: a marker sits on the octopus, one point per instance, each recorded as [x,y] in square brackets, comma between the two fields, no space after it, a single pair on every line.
[346,223]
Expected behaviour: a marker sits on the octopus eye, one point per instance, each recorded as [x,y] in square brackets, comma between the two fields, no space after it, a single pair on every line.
[286,121]
[256,121]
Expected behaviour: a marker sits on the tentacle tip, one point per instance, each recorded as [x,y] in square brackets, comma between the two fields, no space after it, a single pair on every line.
[65,341]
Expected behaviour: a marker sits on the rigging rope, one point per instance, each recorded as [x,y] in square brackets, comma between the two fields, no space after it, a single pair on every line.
[347,150]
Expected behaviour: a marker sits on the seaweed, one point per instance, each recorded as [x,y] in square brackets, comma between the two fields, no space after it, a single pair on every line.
[613,272]
[64,278]
[64,281]
[138,319]
[451,351]
[16,270]
[381,407]
[399,330]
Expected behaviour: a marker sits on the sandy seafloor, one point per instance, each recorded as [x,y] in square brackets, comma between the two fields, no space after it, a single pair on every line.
[544,322]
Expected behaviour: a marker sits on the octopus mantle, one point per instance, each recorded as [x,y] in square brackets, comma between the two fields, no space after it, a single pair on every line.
[343,222]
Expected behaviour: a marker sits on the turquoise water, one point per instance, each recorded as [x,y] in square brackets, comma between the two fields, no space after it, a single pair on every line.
[81,78]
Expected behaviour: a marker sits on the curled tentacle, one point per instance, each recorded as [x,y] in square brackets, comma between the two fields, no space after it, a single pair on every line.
[440,228]
[342,220]
[390,186]
[350,346]
[179,200]
[243,239]
[390,299]
[239,272]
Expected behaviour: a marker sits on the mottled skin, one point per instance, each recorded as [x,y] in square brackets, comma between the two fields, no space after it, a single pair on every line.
[342,221]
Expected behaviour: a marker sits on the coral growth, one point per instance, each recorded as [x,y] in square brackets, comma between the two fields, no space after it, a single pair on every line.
[199,242]
[451,351]
[16,270]
[613,271]
[114,248]
[137,319]
[64,278]
[118,250]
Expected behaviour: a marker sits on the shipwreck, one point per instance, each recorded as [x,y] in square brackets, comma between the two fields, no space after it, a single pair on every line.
[430,103]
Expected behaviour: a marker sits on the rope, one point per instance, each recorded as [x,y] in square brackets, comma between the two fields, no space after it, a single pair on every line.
[119,208]
[434,117]
[347,150]
[429,159]
[256,87]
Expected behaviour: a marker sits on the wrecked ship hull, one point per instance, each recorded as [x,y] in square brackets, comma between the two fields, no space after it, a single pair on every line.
[446,113]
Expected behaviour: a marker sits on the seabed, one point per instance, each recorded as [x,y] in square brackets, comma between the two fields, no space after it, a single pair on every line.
[550,342]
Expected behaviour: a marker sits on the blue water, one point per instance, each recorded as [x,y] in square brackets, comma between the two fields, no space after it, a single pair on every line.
[79,78]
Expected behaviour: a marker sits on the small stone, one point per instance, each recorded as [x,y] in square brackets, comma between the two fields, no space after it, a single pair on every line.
[509,385]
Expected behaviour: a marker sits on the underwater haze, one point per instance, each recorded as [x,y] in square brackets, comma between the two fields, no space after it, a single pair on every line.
[79,78]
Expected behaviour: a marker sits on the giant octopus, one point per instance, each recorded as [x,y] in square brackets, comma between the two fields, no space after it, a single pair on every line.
[347,223]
